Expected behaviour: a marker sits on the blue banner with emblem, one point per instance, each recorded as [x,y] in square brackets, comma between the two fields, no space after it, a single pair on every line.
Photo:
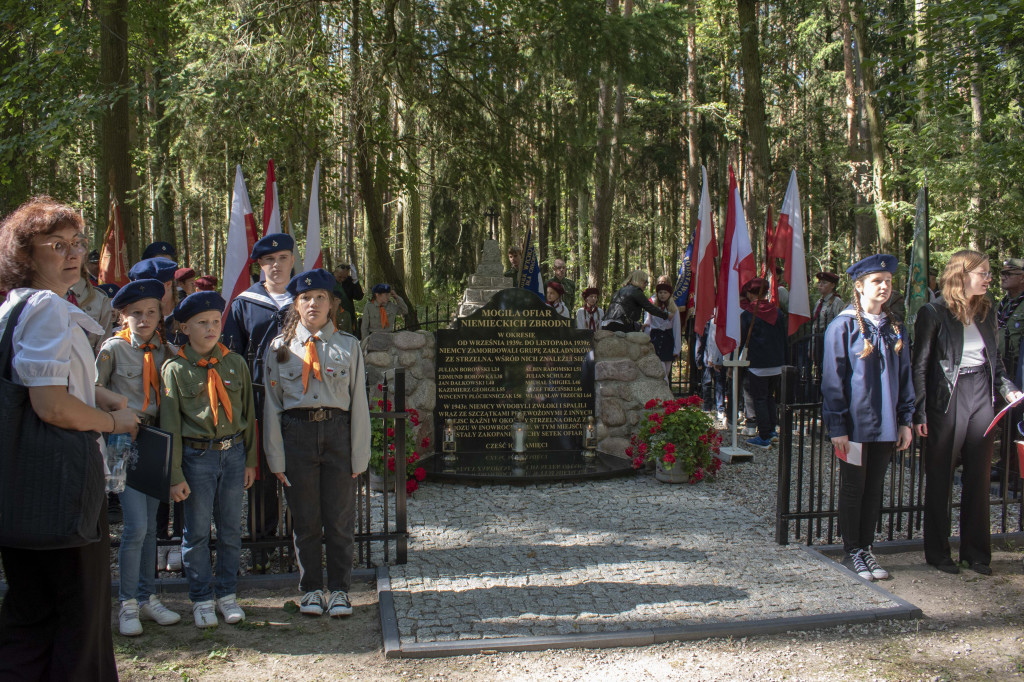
[682,292]
[529,276]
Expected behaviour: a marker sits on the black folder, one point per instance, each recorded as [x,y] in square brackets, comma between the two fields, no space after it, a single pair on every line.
[150,471]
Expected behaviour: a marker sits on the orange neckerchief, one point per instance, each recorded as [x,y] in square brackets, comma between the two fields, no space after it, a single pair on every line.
[214,386]
[311,361]
[383,317]
[150,375]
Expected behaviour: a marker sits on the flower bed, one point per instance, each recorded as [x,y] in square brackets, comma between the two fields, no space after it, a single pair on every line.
[383,441]
[678,433]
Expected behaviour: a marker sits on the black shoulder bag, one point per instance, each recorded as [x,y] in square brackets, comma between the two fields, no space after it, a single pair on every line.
[52,484]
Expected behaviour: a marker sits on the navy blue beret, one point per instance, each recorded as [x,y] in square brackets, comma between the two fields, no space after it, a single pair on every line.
[160,249]
[272,243]
[311,279]
[136,291]
[380,289]
[153,268]
[199,302]
[108,289]
[880,262]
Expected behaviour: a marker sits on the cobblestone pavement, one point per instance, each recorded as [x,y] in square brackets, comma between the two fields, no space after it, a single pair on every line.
[600,556]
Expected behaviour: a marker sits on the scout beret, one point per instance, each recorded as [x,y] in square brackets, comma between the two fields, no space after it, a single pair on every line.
[311,279]
[181,274]
[591,291]
[272,243]
[828,276]
[380,289]
[136,291]
[199,302]
[880,262]
[160,249]
[753,284]
[1013,264]
[206,283]
[557,287]
[153,268]
[663,286]
[109,289]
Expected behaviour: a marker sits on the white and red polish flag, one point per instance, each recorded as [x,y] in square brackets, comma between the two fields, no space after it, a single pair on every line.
[738,266]
[789,246]
[314,256]
[271,206]
[241,237]
[706,251]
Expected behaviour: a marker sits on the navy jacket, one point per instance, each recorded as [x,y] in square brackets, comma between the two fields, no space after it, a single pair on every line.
[867,399]
[767,342]
[252,322]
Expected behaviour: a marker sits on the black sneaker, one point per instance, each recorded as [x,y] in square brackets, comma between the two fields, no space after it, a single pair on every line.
[877,572]
[855,562]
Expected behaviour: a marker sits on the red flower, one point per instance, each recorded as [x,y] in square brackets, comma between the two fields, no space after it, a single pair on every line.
[638,462]
[654,429]
[412,458]
[380,387]
[671,408]
[716,464]
[643,448]
[669,458]
[380,403]
[425,443]
[411,486]
[670,448]
[629,451]
[391,432]
[698,474]
[650,403]
[390,406]
[391,447]
[391,463]
[420,473]
[655,417]
[414,416]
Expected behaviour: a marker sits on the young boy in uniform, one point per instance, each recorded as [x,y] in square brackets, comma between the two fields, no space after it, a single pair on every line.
[208,406]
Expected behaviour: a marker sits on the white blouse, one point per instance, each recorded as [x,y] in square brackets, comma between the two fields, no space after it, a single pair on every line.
[974,347]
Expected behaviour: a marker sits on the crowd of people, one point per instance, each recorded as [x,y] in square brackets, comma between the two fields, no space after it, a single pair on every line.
[272,387]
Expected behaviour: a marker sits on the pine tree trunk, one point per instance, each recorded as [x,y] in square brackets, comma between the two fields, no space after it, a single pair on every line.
[754,117]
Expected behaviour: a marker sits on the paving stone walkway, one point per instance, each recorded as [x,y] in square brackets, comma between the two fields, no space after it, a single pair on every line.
[601,557]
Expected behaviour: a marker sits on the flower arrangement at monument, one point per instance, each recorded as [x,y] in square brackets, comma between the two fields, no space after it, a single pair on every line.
[680,437]
[381,434]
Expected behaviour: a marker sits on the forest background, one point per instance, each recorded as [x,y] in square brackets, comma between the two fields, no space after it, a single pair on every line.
[440,122]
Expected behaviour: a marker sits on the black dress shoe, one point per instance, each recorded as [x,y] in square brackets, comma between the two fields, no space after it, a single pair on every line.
[983,569]
[947,565]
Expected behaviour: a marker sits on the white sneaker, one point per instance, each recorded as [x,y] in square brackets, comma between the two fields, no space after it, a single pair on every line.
[128,618]
[174,558]
[155,611]
[720,418]
[312,603]
[877,572]
[339,605]
[204,614]
[229,608]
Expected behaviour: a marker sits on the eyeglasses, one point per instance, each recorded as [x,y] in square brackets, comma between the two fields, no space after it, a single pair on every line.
[62,247]
[987,275]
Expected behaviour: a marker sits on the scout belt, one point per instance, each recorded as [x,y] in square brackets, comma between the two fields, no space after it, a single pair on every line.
[215,444]
[315,414]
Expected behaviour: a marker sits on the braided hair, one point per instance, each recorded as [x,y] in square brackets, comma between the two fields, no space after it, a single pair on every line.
[868,346]
[291,321]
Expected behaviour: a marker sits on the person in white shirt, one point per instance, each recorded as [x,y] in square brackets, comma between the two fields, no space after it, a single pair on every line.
[554,294]
[666,334]
[590,315]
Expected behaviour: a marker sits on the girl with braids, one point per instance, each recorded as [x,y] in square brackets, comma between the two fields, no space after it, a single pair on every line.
[317,437]
[129,364]
[957,372]
[867,405]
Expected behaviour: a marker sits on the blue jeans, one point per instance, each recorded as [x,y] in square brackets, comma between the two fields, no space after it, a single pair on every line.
[216,479]
[137,554]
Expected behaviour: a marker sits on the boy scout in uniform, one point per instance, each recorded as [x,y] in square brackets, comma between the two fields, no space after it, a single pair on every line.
[208,406]
[382,311]
[95,304]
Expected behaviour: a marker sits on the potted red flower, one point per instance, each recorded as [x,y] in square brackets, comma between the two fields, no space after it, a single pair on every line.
[679,437]
[383,440]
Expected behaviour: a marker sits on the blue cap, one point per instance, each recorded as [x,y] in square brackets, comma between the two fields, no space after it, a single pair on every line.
[199,302]
[165,249]
[380,289]
[108,289]
[272,243]
[311,279]
[880,262]
[153,268]
[138,290]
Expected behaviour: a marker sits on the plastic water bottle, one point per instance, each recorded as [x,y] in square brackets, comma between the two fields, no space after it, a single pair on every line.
[119,451]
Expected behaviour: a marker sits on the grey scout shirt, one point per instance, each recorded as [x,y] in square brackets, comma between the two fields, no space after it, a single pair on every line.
[119,368]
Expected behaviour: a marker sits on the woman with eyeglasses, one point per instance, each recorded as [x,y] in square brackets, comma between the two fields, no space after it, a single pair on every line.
[957,374]
[55,619]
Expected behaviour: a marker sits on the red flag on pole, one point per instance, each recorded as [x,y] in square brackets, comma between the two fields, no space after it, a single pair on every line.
[241,238]
[789,245]
[114,252]
[271,206]
[314,256]
[706,250]
[738,266]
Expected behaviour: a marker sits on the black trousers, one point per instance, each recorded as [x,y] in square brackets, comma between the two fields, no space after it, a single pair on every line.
[960,432]
[55,619]
[762,393]
[322,498]
[860,495]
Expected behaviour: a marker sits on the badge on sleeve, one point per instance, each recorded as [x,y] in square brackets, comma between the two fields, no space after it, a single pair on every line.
[105,356]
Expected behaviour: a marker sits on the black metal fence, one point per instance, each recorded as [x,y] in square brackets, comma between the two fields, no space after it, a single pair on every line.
[430,317]
[808,477]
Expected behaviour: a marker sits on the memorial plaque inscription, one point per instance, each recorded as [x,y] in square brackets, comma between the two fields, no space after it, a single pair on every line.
[514,355]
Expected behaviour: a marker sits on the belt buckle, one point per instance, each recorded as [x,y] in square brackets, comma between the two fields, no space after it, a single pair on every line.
[224,444]
[318,415]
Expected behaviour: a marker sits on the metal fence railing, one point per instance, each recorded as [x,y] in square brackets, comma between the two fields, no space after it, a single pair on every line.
[430,317]
[808,478]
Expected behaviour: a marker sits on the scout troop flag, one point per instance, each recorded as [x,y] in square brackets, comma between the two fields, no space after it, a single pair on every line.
[703,277]
[529,277]
[683,279]
[788,244]
[113,252]
[314,256]
[917,275]
[241,237]
[737,267]
[271,206]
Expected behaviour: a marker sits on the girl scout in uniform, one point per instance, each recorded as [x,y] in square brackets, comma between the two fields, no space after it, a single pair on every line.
[317,437]
[129,364]
[208,406]
[867,403]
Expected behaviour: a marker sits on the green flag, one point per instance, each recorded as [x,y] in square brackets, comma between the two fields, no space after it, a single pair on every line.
[917,276]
